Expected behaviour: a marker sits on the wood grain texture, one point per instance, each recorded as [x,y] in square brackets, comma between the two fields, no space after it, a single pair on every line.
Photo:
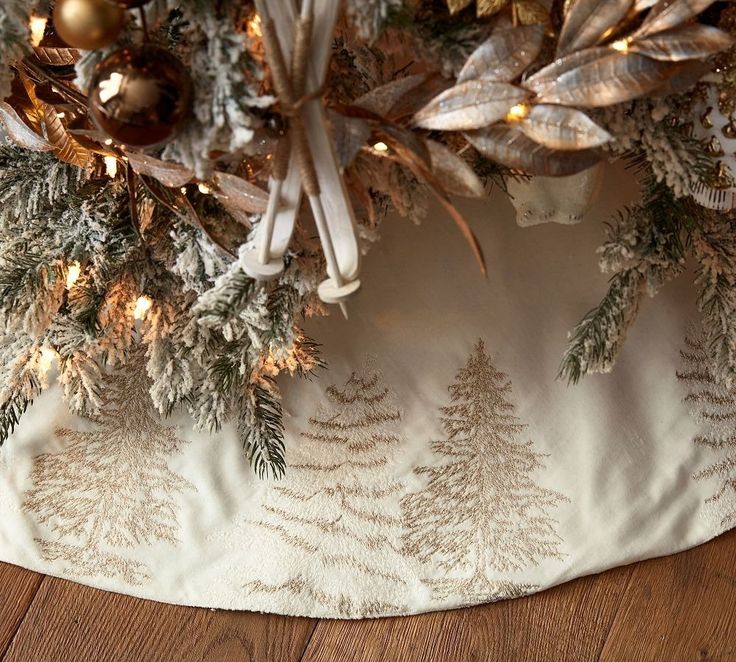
[17,588]
[71,622]
[569,622]
[675,608]
[680,607]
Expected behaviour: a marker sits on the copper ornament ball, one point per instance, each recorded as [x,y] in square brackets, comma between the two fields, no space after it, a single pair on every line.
[140,96]
[88,24]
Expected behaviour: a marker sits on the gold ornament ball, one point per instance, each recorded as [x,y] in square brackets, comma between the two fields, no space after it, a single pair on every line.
[140,96]
[88,24]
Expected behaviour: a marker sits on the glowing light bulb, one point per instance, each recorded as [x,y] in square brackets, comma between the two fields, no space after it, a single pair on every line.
[381,147]
[142,306]
[254,26]
[111,166]
[37,27]
[203,188]
[72,274]
[46,359]
[61,115]
[183,189]
[518,112]
[108,141]
[621,45]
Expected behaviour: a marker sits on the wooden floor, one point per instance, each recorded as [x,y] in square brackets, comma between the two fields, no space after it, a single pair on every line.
[682,607]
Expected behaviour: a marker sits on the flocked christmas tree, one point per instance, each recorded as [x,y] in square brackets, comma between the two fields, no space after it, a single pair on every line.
[713,404]
[110,489]
[482,516]
[341,503]
[90,224]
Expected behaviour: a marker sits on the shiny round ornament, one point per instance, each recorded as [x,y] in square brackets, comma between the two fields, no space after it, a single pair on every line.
[88,24]
[141,96]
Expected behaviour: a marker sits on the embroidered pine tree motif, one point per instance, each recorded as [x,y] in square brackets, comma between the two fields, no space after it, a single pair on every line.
[481,516]
[110,489]
[339,503]
[713,404]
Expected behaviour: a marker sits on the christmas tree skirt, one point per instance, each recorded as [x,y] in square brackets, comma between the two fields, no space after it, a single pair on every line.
[436,462]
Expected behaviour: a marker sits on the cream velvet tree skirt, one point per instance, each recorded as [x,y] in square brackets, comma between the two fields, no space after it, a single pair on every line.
[436,463]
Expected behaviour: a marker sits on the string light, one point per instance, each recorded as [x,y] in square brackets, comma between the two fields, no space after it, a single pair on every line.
[621,45]
[183,189]
[37,27]
[61,115]
[518,112]
[72,274]
[108,141]
[203,188]
[46,359]
[111,166]
[254,26]
[381,147]
[142,306]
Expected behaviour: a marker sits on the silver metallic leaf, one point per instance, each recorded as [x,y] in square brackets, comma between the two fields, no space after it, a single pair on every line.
[19,132]
[381,99]
[667,14]
[509,146]
[686,75]
[470,105]
[455,175]
[558,127]
[173,175]
[689,42]
[504,55]
[613,79]
[549,74]
[349,134]
[590,21]
[641,5]
[237,194]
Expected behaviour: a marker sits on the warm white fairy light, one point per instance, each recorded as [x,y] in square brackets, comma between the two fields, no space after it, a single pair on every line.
[37,28]
[72,274]
[518,112]
[621,45]
[108,141]
[381,147]
[46,359]
[61,115]
[111,166]
[203,188]
[142,306]
[254,26]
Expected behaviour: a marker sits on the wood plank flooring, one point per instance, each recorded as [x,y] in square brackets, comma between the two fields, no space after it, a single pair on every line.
[681,607]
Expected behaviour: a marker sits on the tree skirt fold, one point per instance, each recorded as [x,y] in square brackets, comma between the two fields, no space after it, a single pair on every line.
[437,462]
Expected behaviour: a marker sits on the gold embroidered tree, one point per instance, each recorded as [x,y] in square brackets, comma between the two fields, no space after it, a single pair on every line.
[713,403]
[481,515]
[340,502]
[109,489]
